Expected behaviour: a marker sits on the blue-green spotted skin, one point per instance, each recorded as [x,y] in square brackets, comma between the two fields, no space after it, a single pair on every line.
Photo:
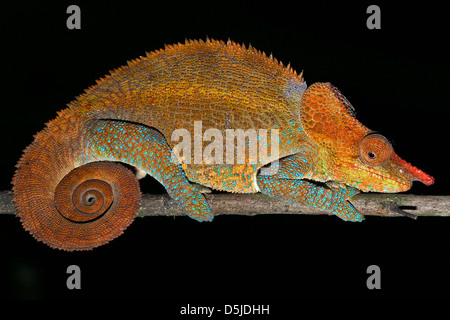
[147,149]
[288,185]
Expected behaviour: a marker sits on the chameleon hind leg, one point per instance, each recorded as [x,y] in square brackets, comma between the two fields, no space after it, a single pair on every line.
[148,150]
[287,184]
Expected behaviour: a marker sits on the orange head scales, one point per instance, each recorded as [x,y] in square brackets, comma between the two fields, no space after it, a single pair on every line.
[349,152]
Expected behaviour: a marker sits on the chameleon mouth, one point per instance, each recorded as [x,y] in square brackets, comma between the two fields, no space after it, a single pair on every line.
[414,173]
[395,185]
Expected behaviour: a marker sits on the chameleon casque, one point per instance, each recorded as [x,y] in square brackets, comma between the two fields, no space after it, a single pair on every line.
[71,193]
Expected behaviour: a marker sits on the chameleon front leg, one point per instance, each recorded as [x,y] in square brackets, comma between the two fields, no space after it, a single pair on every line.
[148,150]
[287,184]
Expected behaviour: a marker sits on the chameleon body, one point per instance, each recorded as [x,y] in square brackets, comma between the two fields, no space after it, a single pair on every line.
[70,193]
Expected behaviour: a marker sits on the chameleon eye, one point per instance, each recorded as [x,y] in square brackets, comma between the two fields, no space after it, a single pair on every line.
[374,149]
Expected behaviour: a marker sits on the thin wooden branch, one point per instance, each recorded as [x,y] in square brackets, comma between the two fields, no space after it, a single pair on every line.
[386,205]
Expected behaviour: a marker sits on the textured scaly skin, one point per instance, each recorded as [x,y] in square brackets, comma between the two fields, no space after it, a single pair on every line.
[130,116]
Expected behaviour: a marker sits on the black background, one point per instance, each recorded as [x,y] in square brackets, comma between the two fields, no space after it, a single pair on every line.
[397,78]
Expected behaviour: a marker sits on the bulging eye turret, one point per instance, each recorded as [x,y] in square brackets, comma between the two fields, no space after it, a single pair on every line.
[374,149]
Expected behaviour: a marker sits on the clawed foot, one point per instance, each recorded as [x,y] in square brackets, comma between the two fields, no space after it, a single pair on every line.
[191,199]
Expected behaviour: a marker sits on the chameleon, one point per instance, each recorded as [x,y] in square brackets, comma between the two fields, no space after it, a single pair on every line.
[76,185]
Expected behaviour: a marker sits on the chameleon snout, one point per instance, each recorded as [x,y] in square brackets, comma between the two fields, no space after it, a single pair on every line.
[411,172]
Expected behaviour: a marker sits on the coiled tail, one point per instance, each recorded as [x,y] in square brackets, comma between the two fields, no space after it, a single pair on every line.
[65,198]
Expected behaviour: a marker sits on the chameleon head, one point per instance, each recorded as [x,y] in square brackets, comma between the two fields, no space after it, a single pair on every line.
[348,152]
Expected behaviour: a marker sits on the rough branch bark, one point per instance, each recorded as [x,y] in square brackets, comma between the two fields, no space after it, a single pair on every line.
[386,205]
